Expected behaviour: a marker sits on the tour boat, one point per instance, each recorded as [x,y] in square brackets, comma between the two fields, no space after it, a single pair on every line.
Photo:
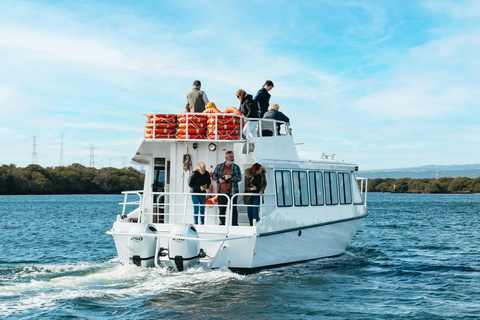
[310,209]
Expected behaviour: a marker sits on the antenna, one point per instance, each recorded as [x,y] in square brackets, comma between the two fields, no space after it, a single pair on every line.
[436,172]
[34,150]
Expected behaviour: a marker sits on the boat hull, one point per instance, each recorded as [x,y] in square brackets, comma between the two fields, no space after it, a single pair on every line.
[248,253]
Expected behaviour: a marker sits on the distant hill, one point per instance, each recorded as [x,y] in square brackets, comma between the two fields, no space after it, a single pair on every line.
[430,171]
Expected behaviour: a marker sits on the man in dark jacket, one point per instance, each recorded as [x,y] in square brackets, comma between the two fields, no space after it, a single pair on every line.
[262,98]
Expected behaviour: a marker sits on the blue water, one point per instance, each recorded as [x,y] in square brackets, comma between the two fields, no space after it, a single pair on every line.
[415,257]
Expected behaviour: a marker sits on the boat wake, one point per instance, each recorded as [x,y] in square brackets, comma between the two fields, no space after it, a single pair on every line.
[48,287]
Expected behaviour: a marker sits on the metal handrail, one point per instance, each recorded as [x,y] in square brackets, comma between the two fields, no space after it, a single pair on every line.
[274,122]
[361,189]
[125,203]
[180,203]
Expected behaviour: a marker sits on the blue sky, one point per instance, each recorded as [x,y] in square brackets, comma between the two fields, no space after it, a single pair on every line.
[385,84]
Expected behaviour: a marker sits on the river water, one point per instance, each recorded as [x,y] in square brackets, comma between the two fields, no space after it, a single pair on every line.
[416,256]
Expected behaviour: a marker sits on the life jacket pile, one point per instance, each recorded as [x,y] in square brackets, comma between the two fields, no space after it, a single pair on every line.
[161,126]
[192,126]
[225,125]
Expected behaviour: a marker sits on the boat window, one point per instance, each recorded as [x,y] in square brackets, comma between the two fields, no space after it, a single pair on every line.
[300,188]
[283,183]
[345,188]
[316,188]
[357,197]
[331,192]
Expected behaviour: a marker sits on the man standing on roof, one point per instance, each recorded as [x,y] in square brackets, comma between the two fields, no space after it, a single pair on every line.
[227,175]
[262,98]
[196,98]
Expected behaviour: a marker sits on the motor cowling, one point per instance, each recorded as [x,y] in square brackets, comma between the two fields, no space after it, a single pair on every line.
[183,253]
[141,247]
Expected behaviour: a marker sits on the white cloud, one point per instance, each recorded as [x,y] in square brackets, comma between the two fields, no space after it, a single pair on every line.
[469,9]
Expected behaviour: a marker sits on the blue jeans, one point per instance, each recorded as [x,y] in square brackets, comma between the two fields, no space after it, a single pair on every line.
[253,211]
[199,200]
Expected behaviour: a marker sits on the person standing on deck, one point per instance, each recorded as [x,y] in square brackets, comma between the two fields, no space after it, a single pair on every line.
[262,98]
[199,182]
[196,98]
[227,175]
[255,185]
[249,110]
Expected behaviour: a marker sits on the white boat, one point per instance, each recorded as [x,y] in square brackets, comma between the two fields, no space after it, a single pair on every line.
[311,208]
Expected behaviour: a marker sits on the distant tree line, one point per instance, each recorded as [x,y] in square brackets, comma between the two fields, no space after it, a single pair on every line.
[440,185]
[74,179]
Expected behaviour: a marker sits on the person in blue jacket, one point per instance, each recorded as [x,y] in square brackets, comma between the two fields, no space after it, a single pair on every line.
[262,98]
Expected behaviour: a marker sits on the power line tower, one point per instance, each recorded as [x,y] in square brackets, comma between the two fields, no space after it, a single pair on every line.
[61,150]
[92,156]
[34,150]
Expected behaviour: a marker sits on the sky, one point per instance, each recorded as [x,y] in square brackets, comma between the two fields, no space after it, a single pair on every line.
[385,84]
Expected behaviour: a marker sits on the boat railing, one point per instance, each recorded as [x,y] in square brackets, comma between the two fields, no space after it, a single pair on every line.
[266,128]
[177,207]
[261,206]
[363,192]
[126,203]
[167,126]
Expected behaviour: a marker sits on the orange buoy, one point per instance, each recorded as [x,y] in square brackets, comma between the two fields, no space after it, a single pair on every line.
[223,126]
[191,130]
[193,118]
[212,110]
[160,136]
[198,125]
[229,120]
[160,130]
[233,110]
[224,132]
[190,136]
[212,201]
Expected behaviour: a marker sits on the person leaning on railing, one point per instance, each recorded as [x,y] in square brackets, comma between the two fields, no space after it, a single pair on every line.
[273,113]
[199,182]
[249,110]
[255,183]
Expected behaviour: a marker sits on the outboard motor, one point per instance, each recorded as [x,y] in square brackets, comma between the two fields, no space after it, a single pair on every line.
[141,248]
[183,252]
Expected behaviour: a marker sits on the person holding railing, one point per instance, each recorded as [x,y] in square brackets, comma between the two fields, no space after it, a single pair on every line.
[273,113]
[255,183]
[227,175]
[199,182]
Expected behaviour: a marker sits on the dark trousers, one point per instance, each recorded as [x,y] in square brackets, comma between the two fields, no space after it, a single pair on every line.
[222,201]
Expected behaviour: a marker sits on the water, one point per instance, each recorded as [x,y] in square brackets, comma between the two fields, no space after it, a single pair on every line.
[415,257]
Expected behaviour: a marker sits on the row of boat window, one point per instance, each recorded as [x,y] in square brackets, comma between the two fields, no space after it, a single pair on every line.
[316,188]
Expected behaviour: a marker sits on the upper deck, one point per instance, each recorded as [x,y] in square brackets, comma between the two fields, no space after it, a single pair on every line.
[214,129]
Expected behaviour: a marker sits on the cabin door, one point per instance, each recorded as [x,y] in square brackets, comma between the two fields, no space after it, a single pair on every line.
[161,180]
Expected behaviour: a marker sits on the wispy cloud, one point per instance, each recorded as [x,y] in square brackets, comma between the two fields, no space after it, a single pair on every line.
[358,76]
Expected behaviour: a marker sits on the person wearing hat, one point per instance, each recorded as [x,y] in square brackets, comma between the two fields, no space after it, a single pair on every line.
[196,98]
